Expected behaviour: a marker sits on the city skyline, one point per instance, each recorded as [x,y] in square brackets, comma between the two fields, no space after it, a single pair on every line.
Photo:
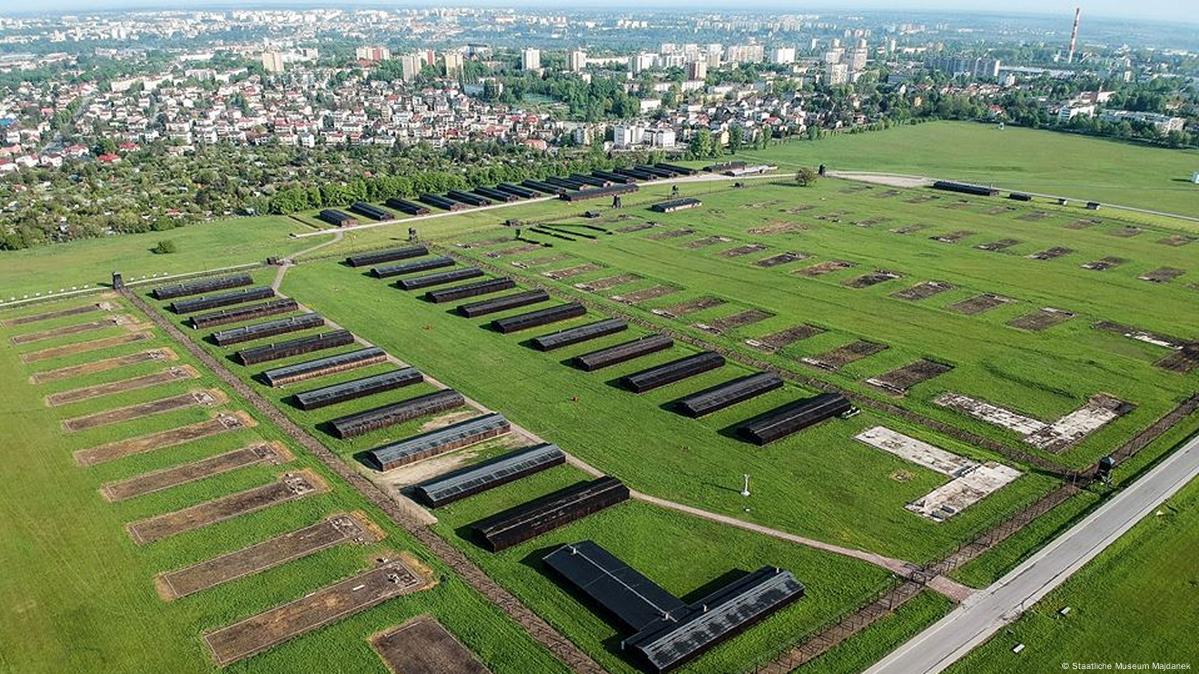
[1146,12]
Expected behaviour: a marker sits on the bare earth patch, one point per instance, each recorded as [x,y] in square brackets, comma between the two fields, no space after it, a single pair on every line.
[781,259]
[873,278]
[273,453]
[607,282]
[1041,319]
[423,646]
[85,347]
[391,577]
[777,340]
[104,365]
[223,422]
[900,380]
[721,325]
[980,303]
[206,398]
[638,296]
[1162,275]
[822,268]
[178,373]
[337,529]
[922,290]
[689,307]
[1105,263]
[843,355]
[288,487]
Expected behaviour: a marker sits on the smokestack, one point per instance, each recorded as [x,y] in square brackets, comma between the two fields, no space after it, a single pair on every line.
[1073,35]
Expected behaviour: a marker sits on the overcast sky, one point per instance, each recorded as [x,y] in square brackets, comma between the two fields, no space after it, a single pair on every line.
[1154,10]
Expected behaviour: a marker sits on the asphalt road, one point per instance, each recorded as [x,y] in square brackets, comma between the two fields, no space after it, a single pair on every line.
[989,610]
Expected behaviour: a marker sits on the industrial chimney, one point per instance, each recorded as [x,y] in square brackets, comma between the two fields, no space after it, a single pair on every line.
[1073,35]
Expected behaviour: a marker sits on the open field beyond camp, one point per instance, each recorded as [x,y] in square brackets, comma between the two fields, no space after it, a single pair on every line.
[1079,167]
[181,507]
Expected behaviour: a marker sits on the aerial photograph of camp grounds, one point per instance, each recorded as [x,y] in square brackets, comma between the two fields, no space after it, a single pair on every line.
[628,338]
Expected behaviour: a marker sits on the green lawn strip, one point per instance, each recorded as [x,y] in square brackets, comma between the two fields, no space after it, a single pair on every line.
[1142,585]
[870,645]
[202,246]
[1039,161]
[84,591]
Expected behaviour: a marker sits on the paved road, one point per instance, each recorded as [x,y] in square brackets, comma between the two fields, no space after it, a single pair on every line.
[989,610]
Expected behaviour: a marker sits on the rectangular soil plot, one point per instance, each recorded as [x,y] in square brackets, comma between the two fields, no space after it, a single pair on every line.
[104,365]
[778,227]
[843,355]
[76,329]
[1083,223]
[743,250]
[206,398]
[170,374]
[221,423]
[873,278]
[707,241]
[423,646]
[922,290]
[689,307]
[629,229]
[538,261]
[1105,263]
[288,487]
[781,259]
[1185,359]
[670,234]
[999,245]
[272,453]
[1176,240]
[777,340]
[86,347]
[823,268]
[570,272]
[737,320]
[1041,319]
[909,229]
[515,250]
[392,578]
[638,296]
[898,381]
[1051,253]
[50,315]
[980,303]
[1126,232]
[338,529]
[1162,275]
[952,237]
[607,282]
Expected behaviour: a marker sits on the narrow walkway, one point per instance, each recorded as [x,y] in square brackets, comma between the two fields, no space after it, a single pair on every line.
[562,648]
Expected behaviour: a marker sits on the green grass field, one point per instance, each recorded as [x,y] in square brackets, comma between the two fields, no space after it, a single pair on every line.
[1019,369]
[211,245]
[1024,159]
[79,594]
[1133,603]
[699,552]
